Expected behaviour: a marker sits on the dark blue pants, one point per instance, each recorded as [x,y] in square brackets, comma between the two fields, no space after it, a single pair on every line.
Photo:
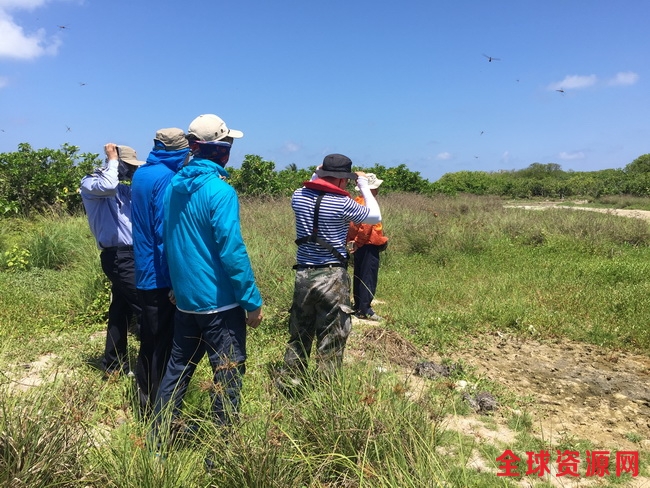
[364,283]
[156,336]
[119,267]
[223,336]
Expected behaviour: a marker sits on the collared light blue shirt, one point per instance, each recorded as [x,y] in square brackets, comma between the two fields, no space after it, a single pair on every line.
[108,206]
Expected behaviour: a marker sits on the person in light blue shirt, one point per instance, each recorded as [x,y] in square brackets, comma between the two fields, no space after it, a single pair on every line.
[169,154]
[107,202]
[212,277]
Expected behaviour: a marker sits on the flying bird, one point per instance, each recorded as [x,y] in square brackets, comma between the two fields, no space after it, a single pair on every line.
[560,90]
[490,58]
[81,83]
[481,133]
[62,26]
[68,129]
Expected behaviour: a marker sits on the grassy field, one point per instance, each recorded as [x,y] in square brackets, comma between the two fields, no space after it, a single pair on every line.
[456,268]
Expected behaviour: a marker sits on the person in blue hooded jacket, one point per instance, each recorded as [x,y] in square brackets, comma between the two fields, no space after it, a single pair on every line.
[213,282]
[170,152]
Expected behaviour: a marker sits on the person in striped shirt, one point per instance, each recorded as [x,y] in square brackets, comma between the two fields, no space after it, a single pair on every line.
[321,308]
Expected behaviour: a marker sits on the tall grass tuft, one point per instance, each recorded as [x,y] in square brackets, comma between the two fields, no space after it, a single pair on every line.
[357,428]
[125,460]
[43,435]
[52,245]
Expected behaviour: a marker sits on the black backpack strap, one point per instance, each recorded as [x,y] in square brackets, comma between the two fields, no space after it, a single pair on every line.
[314,235]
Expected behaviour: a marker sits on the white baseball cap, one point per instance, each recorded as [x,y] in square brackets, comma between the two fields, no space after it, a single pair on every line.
[209,127]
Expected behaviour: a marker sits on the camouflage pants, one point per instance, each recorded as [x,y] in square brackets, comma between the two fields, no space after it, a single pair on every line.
[320,310]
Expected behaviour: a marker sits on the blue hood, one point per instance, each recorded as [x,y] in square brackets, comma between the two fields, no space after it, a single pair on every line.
[197,173]
[172,159]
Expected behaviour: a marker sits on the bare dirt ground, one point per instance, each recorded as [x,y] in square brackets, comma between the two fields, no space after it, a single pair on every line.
[572,391]
[576,391]
[639,214]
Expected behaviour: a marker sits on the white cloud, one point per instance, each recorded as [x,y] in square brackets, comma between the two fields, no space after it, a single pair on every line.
[624,78]
[444,156]
[574,82]
[570,156]
[21,4]
[505,157]
[17,44]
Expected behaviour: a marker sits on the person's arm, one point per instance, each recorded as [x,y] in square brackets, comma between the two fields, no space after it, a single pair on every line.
[104,181]
[374,214]
[363,236]
[232,252]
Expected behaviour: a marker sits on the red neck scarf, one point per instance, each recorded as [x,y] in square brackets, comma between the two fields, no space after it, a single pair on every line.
[321,185]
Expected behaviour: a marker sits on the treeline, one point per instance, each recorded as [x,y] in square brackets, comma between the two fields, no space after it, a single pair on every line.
[259,177]
[33,181]
[550,181]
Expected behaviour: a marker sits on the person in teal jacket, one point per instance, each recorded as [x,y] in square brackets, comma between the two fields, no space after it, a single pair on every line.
[212,279]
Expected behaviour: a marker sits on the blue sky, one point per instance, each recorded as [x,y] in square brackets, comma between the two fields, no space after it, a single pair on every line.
[383,82]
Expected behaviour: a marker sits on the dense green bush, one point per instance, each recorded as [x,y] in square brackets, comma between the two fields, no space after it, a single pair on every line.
[399,179]
[32,181]
[639,165]
[258,177]
[547,181]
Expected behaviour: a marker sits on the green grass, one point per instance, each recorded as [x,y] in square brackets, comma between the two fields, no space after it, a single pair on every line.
[455,268]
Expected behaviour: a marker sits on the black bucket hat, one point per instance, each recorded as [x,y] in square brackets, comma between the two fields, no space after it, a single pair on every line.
[336,166]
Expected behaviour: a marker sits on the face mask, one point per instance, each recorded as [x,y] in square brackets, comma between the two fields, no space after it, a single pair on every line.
[125,171]
[217,151]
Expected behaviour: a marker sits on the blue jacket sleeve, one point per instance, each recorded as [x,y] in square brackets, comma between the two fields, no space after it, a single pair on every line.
[232,250]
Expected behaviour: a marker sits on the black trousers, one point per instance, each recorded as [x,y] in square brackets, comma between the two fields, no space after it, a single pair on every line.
[364,283]
[119,267]
[156,337]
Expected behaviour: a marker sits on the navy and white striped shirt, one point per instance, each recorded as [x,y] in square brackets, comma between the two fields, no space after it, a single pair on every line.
[335,214]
